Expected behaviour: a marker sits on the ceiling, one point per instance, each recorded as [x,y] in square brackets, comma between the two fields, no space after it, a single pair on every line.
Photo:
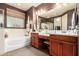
[23,6]
[56,11]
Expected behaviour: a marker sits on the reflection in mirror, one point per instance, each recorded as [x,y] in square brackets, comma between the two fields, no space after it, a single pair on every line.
[57,23]
[47,23]
[63,17]
[64,22]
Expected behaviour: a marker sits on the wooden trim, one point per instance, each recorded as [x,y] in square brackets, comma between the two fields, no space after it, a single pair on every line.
[11,7]
[5,18]
[25,20]
[15,27]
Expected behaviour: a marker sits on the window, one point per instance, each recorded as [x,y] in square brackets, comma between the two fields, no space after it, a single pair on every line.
[15,22]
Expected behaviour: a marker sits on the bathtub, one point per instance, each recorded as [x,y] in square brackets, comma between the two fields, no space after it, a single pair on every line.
[15,43]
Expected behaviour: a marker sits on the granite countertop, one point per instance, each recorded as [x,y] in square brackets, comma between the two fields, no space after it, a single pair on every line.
[67,35]
[60,34]
[64,34]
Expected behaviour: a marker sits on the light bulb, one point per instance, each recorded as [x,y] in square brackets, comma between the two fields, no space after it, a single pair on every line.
[36,13]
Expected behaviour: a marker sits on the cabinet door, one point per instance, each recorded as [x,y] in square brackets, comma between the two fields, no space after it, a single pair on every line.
[36,42]
[32,40]
[69,49]
[56,48]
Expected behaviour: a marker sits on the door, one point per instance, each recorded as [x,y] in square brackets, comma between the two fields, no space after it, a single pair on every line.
[32,39]
[56,48]
[35,40]
[69,49]
[1,31]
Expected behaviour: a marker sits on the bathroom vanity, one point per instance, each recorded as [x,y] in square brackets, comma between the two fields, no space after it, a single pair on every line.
[62,45]
[59,45]
[63,39]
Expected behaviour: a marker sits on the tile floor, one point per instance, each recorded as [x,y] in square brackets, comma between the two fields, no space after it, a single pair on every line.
[26,51]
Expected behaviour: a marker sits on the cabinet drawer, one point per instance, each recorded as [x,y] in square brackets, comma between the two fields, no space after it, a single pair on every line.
[68,39]
[64,38]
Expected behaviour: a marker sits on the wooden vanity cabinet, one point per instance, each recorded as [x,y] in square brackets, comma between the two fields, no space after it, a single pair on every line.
[35,40]
[69,49]
[55,48]
[63,45]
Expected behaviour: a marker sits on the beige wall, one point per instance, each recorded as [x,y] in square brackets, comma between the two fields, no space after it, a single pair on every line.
[64,22]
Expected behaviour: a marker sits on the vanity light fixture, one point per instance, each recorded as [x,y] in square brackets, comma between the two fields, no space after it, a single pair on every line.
[36,13]
[40,12]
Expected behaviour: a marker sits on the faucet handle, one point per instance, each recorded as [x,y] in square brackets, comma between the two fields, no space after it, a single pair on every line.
[6,36]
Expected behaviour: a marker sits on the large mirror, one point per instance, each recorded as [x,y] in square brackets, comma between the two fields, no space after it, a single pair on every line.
[57,23]
[47,23]
[60,18]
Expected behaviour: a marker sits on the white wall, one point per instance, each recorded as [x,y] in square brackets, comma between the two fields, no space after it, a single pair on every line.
[2,41]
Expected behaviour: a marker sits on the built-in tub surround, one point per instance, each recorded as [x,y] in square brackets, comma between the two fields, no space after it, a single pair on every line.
[16,38]
[2,41]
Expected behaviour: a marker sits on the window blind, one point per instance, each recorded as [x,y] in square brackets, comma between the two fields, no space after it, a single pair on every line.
[14,13]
